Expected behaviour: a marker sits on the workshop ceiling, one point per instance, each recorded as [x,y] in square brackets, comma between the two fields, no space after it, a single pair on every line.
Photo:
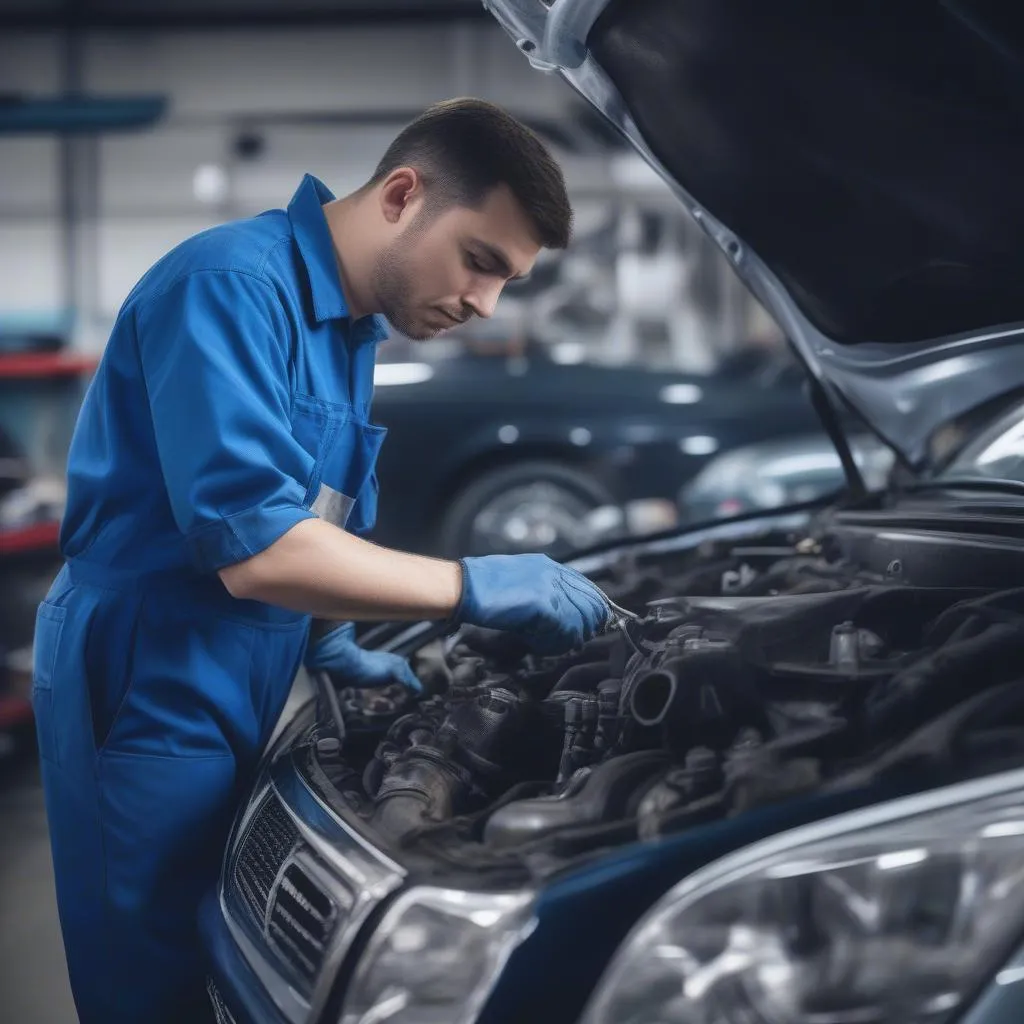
[184,13]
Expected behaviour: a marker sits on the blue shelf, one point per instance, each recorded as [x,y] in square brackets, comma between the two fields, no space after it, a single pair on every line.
[27,116]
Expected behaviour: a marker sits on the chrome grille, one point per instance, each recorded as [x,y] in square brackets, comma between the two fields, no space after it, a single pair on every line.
[298,886]
[301,921]
[268,842]
[221,1013]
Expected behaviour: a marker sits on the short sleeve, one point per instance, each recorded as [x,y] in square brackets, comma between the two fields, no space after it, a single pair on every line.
[214,354]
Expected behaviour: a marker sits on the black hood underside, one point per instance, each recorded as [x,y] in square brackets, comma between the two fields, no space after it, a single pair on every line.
[871,153]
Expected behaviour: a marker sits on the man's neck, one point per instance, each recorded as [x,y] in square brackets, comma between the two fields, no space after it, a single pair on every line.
[354,258]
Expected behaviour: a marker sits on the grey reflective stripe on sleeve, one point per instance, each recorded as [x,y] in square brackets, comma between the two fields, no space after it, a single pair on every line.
[333,506]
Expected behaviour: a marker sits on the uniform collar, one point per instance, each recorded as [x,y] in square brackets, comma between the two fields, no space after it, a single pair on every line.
[313,237]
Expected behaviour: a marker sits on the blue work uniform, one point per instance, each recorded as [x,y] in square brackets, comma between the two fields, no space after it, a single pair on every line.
[231,403]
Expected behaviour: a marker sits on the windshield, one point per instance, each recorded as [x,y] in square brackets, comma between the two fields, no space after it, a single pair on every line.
[996,453]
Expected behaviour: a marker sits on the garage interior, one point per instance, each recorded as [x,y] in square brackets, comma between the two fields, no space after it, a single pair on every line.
[126,127]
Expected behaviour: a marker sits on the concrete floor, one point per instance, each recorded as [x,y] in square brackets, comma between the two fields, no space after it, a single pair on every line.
[33,973]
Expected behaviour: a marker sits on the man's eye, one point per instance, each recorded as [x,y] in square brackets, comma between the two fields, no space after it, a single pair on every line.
[475,264]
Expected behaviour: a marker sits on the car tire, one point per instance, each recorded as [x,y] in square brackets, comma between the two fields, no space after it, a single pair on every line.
[504,511]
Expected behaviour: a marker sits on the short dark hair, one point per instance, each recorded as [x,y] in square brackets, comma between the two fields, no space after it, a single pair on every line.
[465,148]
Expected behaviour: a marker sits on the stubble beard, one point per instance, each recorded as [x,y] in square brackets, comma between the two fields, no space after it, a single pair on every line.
[392,275]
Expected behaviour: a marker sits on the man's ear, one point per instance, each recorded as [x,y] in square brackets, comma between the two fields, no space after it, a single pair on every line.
[401,193]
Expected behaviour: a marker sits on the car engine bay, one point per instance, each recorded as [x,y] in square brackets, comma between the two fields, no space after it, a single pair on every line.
[759,672]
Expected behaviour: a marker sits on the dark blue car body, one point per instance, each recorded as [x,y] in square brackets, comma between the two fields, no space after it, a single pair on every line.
[581,914]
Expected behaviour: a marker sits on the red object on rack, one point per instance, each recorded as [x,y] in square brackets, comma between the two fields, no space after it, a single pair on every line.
[22,365]
[37,537]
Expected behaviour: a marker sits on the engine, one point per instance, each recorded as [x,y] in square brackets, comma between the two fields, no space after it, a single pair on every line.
[754,675]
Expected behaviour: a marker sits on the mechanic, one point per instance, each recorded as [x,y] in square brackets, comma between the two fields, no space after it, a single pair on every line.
[220,474]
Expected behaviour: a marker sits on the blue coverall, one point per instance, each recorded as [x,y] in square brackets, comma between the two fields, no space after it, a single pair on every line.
[231,403]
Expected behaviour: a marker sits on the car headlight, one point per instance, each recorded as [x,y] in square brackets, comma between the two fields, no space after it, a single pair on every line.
[435,956]
[895,923]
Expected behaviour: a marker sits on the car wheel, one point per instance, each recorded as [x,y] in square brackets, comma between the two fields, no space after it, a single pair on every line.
[530,506]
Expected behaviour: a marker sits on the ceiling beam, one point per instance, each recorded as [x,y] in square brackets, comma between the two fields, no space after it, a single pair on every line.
[107,15]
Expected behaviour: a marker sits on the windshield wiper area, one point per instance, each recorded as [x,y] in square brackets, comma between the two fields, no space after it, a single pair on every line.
[973,483]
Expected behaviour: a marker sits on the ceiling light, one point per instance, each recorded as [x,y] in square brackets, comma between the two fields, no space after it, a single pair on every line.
[681,394]
[698,444]
[387,374]
[210,184]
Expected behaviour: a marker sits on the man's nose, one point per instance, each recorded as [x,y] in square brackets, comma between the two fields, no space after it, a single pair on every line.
[483,299]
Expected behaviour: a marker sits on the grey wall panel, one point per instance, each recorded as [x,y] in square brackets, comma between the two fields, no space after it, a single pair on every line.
[154,172]
[285,70]
[285,84]
[28,177]
[343,157]
[31,278]
[29,62]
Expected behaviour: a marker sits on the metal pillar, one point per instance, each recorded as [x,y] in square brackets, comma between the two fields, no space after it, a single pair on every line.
[79,189]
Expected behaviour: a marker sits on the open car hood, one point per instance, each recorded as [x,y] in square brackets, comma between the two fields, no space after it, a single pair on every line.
[859,163]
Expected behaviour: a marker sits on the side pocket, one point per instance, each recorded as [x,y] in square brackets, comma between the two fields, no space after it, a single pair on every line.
[110,648]
[314,425]
[46,643]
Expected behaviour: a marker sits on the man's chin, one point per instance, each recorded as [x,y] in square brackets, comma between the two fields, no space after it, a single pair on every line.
[424,332]
[417,328]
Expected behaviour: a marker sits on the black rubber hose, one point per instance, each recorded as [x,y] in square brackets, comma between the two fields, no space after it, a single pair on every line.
[652,698]
[423,786]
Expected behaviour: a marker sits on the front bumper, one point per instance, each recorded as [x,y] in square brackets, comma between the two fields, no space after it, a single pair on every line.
[253,980]
[297,888]
[235,990]
[581,916]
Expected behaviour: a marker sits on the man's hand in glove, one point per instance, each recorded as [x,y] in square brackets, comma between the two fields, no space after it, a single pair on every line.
[338,652]
[553,608]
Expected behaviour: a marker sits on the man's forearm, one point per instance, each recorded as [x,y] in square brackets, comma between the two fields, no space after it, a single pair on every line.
[319,569]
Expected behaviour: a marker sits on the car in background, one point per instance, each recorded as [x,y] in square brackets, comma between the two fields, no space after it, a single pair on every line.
[494,453]
[777,473]
[791,789]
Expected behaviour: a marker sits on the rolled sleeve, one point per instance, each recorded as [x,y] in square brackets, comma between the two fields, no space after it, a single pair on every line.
[214,354]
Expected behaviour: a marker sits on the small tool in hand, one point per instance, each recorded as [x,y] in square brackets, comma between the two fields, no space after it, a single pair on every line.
[621,613]
[622,618]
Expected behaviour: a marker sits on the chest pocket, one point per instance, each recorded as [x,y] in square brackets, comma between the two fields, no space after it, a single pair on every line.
[343,485]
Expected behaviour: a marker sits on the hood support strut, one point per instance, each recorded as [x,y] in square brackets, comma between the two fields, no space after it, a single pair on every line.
[826,410]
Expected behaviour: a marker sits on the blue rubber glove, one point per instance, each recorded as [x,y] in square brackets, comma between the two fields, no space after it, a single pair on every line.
[553,608]
[338,652]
